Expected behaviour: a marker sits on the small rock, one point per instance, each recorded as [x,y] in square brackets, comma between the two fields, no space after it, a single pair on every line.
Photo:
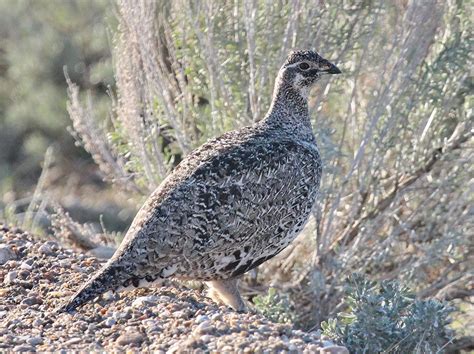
[216,316]
[334,349]
[134,338]
[201,318]
[296,341]
[179,314]
[327,342]
[264,328]
[34,340]
[57,294]
[222,327]
[110,296]
[77,269]
[24,348]
[206,338]
[313,348]
[292,348]
[118,315]
[37,322]
[24,274]
[65,263]
[32,300]
[109,322]
[25,266]
[6,254]
[25,284]
[145,301]
[48,248]
[10,277]
[45,249]
[72,341]
[204,327]
[164,299]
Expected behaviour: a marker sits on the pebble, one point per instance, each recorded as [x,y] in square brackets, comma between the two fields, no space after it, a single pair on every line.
[201,318]
[77,268]
[222,327]
[216,316]
[326,342]
[46,249]
[109,296]
[25,266]
[34,340]
[145,301]
[6,254]
[37,322]
[109,322]
[24,274]
[204,327]
[292,348]
[157,320]
[33,300]
[10,277]
[334,349]
[64,263]
[130,338]
[72,341]
[24,348]
[206,338]
[264,328]
[313,348]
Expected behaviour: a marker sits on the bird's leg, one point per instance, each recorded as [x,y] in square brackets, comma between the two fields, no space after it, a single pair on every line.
[226,291]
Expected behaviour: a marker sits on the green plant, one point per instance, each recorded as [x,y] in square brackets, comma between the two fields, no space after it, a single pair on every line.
[275,306]
[386,317]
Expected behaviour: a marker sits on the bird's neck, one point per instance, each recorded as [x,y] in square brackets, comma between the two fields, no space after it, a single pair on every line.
[289,109]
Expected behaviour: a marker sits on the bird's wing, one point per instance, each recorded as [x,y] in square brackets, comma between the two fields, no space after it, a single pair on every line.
[224,206]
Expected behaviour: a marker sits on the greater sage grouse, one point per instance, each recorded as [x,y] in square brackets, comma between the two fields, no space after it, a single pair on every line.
[232,204]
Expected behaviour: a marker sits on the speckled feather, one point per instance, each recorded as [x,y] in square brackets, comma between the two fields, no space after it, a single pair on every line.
[231,204]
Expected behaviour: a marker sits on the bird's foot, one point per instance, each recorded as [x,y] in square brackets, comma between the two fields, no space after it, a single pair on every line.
[226,292]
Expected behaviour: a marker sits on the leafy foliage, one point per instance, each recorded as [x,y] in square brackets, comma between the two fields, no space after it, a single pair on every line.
[275,306]
[386,317]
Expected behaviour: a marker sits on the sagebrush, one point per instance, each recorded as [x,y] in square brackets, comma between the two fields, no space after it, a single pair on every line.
[386,317]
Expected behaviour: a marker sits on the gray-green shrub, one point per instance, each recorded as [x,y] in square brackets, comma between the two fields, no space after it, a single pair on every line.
[386,317]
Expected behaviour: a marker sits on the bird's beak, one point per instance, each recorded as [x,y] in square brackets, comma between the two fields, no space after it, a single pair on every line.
[333,69]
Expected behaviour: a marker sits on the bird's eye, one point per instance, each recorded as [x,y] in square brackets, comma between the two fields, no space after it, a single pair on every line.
[304,66]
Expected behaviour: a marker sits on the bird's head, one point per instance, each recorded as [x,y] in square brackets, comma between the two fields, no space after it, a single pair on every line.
[303,68]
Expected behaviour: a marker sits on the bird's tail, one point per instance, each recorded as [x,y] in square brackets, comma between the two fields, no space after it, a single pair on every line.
[110,277]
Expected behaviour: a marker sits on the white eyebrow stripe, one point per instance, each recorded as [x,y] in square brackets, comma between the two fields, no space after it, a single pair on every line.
[311,65]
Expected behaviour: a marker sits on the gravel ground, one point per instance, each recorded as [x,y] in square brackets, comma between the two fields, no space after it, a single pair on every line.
[36,276]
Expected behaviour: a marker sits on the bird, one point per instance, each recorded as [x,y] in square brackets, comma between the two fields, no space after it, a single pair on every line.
[231,204]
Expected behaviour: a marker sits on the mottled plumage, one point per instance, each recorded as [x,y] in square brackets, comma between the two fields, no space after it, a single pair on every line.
[231,204]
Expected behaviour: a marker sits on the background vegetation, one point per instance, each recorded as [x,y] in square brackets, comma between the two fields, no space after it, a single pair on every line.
[395,130]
